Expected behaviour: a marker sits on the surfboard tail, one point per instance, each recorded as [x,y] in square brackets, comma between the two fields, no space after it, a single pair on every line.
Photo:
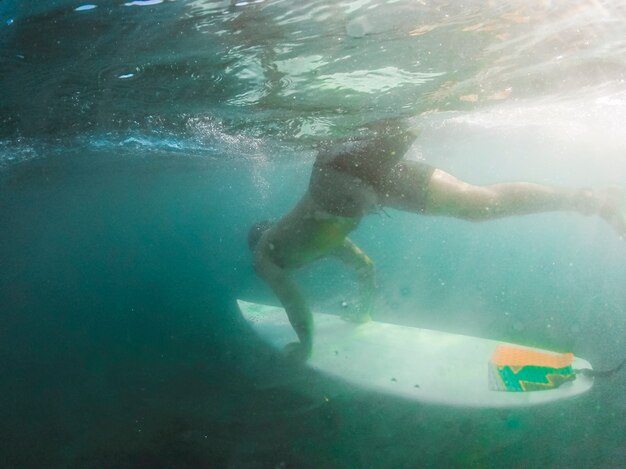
[516,369]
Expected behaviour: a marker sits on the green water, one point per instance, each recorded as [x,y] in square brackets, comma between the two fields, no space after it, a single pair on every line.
[140,140]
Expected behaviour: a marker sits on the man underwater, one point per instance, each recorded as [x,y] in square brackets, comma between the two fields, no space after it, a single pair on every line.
[356,177]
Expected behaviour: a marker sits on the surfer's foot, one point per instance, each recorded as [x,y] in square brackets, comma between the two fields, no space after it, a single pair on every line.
[608,203]
[612,207]
[297,352]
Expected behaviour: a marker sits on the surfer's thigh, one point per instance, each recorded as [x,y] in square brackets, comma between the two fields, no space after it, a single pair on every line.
[405,186]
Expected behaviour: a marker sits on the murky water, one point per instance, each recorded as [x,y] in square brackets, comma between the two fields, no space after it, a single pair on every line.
[138,142]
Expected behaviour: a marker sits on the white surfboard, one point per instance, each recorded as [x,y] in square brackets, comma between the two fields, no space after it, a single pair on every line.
[419,364]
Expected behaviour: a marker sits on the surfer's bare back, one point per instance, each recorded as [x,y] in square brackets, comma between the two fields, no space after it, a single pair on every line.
[353,178]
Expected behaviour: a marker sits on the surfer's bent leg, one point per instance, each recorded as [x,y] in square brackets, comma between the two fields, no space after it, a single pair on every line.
[292,300]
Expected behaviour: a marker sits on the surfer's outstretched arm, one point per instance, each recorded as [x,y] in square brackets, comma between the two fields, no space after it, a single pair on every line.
[292,300]
[449,196]
[353,256]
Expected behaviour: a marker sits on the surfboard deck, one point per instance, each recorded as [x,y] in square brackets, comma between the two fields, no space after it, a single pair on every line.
[420,364]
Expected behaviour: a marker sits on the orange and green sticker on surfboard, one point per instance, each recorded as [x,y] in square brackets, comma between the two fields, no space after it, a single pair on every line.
[517,369]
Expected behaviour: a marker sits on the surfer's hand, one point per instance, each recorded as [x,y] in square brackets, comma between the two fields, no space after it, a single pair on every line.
[297,352]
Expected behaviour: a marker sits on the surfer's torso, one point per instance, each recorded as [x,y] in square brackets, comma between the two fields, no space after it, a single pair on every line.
[305,234]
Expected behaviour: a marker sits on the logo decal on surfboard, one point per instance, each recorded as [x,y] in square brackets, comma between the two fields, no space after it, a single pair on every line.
[519,369]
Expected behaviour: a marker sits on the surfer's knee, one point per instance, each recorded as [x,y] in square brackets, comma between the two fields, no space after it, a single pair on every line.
[261,264]
[265,267]
[256,231]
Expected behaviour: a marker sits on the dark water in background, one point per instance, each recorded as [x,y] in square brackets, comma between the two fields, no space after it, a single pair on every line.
[139,140]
